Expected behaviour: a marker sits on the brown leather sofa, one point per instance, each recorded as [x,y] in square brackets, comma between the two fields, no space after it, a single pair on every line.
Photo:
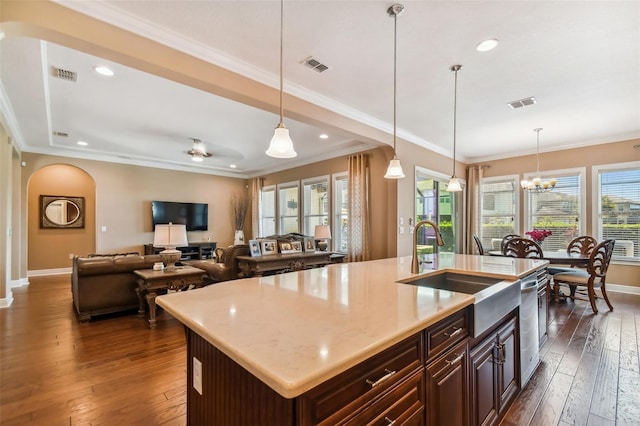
[226,267]
[106,284]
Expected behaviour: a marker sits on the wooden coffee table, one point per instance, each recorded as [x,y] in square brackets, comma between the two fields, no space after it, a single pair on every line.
[150,281]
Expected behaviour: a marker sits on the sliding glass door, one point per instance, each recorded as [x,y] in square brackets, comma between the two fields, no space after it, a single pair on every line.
[435,203]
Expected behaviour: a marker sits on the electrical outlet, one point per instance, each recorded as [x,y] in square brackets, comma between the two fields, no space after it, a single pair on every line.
[401,230]
[71,256]
[197,375]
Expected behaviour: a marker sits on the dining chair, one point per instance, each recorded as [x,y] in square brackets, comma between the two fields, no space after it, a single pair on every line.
[522,247]
[594,277]
[584,245]
[507,238]
[478,245]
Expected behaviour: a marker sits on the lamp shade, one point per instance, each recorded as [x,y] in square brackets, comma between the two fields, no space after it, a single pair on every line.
[394,171]
[454,185]
[322,232]
[281,145]
[170,235]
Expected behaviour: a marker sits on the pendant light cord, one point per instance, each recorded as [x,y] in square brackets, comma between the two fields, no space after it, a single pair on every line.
[455,108]
[537,150]
[395,44]
[281,47]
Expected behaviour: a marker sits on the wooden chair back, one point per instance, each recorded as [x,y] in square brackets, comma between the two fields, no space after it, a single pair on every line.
[523,248]
[582,245]
[505,239]
[478,245]
[599,260]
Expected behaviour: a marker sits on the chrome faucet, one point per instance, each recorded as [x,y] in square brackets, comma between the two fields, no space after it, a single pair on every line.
[415,268]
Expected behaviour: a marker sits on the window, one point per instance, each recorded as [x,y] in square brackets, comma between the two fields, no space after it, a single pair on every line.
[498,207]
[617,208]
[267,211]
[316,203]
[433,202]
[288,202]
[341,212]
[560,210]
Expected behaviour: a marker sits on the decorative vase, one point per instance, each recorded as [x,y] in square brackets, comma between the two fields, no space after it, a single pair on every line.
[238,237]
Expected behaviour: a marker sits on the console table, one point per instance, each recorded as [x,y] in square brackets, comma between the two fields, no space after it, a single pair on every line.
[205,250]
[150,281]
[250,266]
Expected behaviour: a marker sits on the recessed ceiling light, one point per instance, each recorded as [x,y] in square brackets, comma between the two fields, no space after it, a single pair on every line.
[102,70]
[233,166]
[324,136]
[83,143]
[487,45]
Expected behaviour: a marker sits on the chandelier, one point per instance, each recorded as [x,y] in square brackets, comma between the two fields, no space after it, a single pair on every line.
[537,184]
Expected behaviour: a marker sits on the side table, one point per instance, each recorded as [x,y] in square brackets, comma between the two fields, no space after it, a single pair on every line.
[150,281]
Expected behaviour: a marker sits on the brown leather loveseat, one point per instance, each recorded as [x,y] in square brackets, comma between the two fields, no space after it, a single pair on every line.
[106,284]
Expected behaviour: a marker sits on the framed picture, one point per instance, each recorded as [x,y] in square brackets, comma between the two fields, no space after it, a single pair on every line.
[296,246]
[254,248]
[309,244]
[285,247]
[58,211]
[268,247]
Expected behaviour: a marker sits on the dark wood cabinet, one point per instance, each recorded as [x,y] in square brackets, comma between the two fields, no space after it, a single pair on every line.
[447,387]
[494,376]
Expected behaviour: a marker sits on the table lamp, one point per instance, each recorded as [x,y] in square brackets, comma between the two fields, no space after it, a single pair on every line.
[170,236]
[322,233]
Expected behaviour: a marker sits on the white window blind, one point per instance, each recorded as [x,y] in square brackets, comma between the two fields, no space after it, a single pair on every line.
[316,204]
[267,211]
[559,211]
[288,207]
[340,230]
[498,205]
[619,210]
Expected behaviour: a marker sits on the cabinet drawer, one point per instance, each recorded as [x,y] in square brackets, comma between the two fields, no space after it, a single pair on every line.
[336,399]
[447,333]
[403,405]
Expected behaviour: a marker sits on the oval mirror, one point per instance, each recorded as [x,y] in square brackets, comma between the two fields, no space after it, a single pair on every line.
[62,212]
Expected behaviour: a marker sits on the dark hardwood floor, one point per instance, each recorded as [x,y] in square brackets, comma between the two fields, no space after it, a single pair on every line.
[55,370]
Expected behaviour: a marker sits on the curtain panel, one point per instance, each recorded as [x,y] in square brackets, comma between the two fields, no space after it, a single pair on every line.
[358,242]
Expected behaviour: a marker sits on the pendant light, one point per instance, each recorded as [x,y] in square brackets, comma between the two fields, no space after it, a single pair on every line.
[281,145]
[394,171]
[454,183]
[536,184]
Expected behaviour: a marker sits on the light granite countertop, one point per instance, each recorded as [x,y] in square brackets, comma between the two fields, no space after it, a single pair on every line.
[296,330]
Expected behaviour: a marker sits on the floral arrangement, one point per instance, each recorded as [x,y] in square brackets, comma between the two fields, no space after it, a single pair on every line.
[538,235]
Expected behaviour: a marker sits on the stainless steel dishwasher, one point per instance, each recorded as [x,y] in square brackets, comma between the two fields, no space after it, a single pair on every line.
[529,342]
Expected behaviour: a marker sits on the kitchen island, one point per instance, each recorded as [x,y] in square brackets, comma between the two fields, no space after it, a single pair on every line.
[290,333]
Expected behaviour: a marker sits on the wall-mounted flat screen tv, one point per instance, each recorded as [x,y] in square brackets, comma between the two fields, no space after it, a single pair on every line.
[194,215]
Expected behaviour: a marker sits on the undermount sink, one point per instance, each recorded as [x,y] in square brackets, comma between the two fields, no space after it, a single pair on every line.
[460,283]
[494,297]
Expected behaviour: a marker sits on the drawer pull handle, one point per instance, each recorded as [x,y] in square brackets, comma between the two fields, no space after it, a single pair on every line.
[456,331]
[381,380]
[456,360]
[389,421]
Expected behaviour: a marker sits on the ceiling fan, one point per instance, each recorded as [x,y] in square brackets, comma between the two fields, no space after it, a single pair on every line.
[198,152]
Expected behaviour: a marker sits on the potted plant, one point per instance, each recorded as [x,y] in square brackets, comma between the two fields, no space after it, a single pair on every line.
[240,205]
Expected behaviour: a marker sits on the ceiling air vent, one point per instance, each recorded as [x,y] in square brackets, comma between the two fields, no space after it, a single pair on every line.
[62,134]
[65,74]
[522,102]
[315,64]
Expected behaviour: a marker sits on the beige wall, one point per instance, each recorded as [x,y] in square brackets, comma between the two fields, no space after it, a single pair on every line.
[383,241]
[589,156]
[123,196]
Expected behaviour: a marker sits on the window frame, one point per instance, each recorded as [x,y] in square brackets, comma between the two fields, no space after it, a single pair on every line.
[336,214]
[517,229]
[263,190]
[582,195]
[596,205]
[310,181]
[279,188]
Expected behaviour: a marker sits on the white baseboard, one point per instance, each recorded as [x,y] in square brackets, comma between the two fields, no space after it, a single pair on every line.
[617,288]
[43,272]
[19,282]
[7,301]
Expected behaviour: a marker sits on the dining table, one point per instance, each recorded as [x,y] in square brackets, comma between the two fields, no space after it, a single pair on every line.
[557,258]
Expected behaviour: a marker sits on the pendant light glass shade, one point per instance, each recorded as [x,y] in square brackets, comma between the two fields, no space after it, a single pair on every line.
[394,171]
[454,185]
[281,145]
